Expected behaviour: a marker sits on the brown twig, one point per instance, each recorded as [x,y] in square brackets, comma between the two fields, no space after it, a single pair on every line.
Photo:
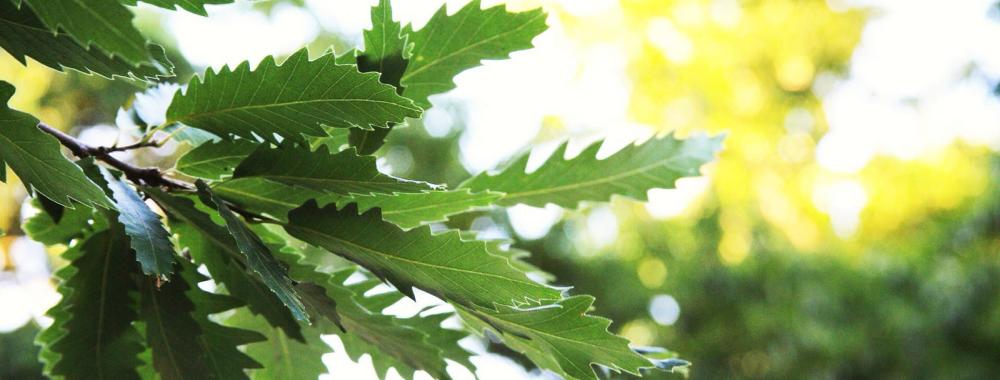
[141,144]
[139,175]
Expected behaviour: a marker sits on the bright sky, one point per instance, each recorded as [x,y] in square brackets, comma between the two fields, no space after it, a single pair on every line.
[905,97]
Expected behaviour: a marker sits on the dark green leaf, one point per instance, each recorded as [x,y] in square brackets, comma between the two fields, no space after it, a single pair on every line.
[406,210]
[23,35]
[148,238]
[74,223]
[631,172]
[385,54]
[210,244]
[214,160]
[106,24]
[54,209]
[36,159]
[258,256]
[185,343]
[92,336]
[341,173]
[417,343]
[282,357]
[441,264]
[298,97]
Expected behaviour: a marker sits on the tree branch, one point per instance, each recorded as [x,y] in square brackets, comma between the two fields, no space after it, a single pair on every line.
[139,175]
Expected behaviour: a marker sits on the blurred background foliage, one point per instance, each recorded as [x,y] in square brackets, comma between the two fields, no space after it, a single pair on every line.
[775,264]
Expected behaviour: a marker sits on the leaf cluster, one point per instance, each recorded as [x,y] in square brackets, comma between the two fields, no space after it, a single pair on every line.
[283,180]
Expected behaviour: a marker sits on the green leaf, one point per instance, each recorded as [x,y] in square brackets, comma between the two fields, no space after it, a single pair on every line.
[193,6]
[298,97]
[412,210]
[384,46]
[559,337]
[185,343]
[23,35]
[516,257]
[210,244]
[385,54]
[74,223]
[631,172]
[406,210]
[274,199]
[214,160]
[92,335]
[54,209]
[258,256]
[148,238]
[282,357]
[441,264]
[335,141]
[341,173]
[36,159]
[448,45]
[417,343]
[106,24]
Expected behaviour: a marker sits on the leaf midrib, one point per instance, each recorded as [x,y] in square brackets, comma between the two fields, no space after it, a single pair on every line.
[578,185]
[198,115]
[467,48]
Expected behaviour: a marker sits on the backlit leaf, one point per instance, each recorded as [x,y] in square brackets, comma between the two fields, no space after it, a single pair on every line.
[298,97]
[37,160]
[630,172]
[450,44]
[560,337]
[441,264]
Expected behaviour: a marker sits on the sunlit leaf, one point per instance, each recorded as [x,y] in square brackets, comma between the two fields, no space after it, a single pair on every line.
[450,44]
[560,337]
[296,98]
[630,172]
[193,6]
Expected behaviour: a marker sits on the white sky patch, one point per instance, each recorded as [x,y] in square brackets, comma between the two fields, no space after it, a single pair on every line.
[602,227]
[237,33]
[910,91]
[843,200]
[670,203]
[533,222]
[26,293]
